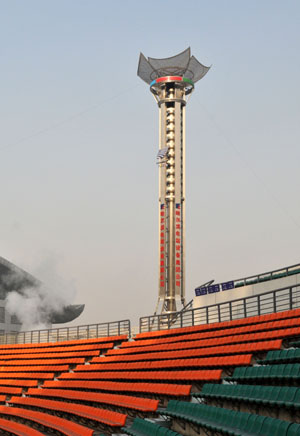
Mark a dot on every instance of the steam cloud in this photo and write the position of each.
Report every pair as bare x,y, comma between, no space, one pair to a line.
33,303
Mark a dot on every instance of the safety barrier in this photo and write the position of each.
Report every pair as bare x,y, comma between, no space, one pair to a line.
107,329
268,302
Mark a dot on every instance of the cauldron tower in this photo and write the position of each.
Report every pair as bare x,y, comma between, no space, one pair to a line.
171,82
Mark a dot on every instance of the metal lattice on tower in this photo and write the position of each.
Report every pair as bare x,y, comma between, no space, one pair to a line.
171,81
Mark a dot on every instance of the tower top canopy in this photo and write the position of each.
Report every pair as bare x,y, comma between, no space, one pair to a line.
182,64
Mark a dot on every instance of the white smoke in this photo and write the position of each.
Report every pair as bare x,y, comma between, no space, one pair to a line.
33,304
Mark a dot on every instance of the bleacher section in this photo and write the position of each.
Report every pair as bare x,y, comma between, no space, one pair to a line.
239,377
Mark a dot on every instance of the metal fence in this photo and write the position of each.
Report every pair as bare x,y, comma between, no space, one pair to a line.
114,328
272,301
270,275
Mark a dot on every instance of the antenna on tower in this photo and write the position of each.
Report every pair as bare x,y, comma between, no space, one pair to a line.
171,81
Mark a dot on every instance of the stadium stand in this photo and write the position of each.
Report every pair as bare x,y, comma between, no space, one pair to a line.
233,377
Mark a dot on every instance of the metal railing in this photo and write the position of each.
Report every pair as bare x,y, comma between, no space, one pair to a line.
268,302
114,328
270,275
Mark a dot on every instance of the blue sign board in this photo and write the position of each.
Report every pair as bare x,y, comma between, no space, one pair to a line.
203,290
228,285
213,288
200,291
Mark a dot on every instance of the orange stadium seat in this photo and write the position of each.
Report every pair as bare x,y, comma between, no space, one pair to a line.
10,391
126,401
151,388
18,429
53,355
236,360
197,352
113,419
57,349
262,327
55,423
252,337
40,368
27,375
33,362
19,382
200,375
221,325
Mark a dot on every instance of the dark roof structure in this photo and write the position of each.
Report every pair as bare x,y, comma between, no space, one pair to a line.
13,278
183,65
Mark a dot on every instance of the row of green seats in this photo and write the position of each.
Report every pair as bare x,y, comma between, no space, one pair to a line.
295,344
142,427
230,422
291,355
290,371
266,278
282,396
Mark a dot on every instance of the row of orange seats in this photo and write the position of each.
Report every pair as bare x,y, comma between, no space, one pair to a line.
112,386
65,354
45,420
251,347
10,391
57,349
236,360
221,325
33,362
18,429
261,327
37,368
19,382
251,337
124,401
103,416
188,375
27,375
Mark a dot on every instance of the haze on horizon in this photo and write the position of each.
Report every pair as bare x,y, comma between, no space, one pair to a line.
79,138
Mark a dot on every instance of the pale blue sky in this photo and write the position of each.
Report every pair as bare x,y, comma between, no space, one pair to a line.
79,137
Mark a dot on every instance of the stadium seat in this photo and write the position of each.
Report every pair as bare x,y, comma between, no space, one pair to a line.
19,383
33,362
52,355
197,352
10,391
267,373
15,428
27,375
107,417
227,421
294,313
147,388
55,423
227,332
200,375
36,369
125,401
141,427
206,362
280,396
282,356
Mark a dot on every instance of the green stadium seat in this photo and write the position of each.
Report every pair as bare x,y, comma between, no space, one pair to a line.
274,396
293,430
267,373
228,421
142,427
